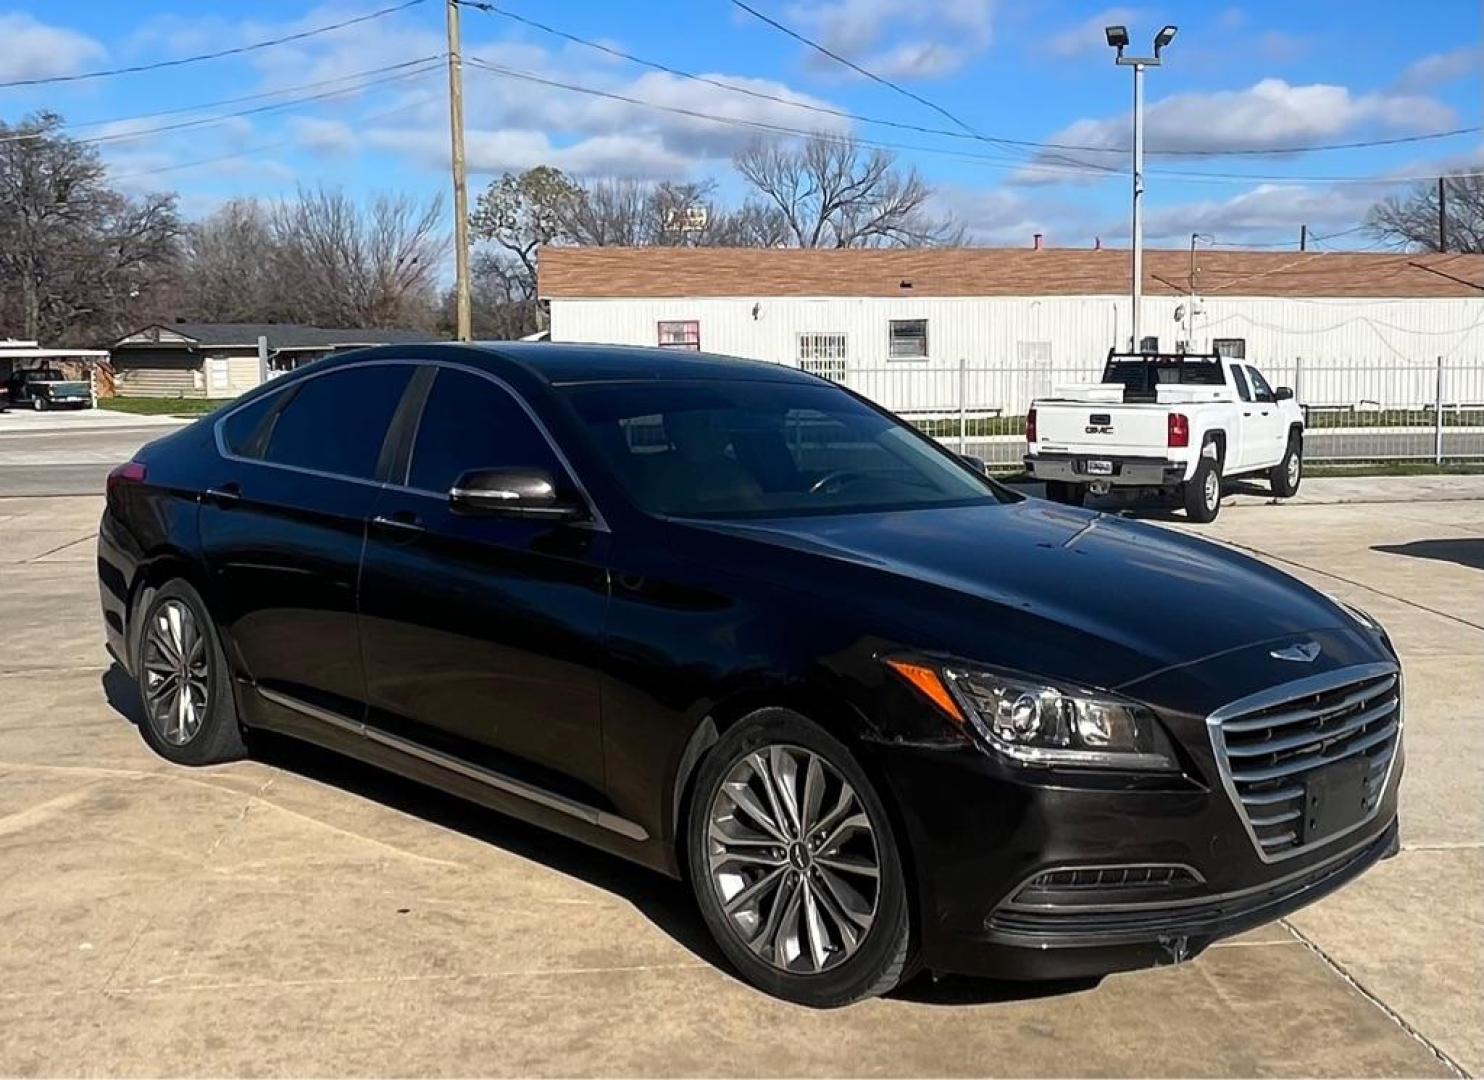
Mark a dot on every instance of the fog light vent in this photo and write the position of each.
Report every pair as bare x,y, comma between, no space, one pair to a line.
1075,883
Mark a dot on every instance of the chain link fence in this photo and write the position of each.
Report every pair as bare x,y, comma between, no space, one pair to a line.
1360,412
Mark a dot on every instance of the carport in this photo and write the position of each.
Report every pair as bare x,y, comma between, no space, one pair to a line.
80,364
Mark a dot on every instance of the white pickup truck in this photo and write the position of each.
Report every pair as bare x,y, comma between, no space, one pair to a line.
1181,423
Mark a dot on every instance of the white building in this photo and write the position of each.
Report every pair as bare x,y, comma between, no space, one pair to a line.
925,330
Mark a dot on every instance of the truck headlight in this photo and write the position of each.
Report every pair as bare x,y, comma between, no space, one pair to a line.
1037,722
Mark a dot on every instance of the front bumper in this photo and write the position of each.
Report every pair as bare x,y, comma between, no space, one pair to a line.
1126,471
1061,873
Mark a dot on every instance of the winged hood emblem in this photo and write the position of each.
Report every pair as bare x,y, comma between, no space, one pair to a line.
1304,652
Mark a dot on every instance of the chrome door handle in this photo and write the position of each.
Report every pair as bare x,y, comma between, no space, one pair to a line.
224,495
410,525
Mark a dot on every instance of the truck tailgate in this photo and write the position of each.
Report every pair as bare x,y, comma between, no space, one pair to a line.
1115,430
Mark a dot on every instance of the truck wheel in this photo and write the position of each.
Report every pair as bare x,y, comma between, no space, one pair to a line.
1060,491
1203,491
1284,477
38,404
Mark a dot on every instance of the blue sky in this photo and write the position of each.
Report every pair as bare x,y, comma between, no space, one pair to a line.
1259,75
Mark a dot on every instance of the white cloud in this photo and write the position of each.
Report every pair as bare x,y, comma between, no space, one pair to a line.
34,50
321,137
1256,214
1268,116
1441,68
1087,36
897,38
494,151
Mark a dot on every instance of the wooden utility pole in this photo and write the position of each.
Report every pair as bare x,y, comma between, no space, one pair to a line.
460,183
1442,214
1303,238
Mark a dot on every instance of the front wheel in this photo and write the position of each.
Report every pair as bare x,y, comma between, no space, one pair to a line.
1203,490
795,866
38,405
1284,477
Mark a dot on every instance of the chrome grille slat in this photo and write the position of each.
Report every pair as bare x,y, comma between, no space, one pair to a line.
1269,744
1263,798
1295,766
1294,716
1311,738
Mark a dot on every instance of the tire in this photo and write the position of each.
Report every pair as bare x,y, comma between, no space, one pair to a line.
1284,478
1068,494
823,970
207,732
38,405
1203,490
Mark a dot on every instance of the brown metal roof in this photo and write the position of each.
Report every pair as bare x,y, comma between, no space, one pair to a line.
744,272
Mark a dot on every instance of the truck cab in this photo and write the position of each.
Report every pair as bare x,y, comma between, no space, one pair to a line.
1178,422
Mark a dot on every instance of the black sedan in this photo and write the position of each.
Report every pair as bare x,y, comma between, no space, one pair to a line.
739,625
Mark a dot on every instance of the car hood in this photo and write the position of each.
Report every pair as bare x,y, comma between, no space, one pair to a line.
1154,597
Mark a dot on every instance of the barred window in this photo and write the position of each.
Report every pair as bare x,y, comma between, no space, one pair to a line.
681,334
823,355
907,339
1233,348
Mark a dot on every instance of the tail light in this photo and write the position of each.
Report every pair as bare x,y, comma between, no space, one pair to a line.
130,472
1030,426
1179,430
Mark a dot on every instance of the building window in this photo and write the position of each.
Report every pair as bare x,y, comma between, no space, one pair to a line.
1233,348
1033,352
1149,344
823,355
907,339
680,335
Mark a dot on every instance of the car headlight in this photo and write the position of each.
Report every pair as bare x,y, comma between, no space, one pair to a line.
1037,722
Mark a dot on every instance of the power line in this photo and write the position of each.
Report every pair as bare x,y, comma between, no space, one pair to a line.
26,136
1033,144
418,67
258,148
999,161
237,51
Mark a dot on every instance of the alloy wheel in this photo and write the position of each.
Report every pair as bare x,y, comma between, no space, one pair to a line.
1213,489
177,673
793,860
1294,465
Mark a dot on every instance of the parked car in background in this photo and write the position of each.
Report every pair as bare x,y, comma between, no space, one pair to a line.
735,623
48,388
1182,423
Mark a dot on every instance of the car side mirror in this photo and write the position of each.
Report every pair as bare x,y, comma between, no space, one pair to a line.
512,492
1283,393
975,463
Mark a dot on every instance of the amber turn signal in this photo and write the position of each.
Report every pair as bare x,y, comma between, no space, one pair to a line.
930,684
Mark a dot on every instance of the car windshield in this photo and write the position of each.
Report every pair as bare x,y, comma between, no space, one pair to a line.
726,448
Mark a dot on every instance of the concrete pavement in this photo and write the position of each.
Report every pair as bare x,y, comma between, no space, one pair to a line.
302,914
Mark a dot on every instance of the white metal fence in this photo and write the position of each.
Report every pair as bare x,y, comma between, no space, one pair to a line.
1364,411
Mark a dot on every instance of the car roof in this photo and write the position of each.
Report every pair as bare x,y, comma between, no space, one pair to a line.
561,364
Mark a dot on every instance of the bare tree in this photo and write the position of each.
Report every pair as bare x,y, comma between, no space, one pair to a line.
1412,220
336,264
227,274
831,194
80,259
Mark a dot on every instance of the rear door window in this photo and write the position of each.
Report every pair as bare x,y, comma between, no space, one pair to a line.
471,423
1241,383
336,423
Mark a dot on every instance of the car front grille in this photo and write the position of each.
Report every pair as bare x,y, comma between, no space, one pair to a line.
1271,749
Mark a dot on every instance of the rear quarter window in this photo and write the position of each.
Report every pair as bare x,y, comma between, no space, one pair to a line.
243,430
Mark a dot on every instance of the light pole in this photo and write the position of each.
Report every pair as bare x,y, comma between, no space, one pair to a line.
1118,39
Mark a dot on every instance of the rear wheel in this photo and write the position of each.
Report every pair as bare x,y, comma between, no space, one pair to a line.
38,404
794,864
190,716
1203,490
1284,477
1062,491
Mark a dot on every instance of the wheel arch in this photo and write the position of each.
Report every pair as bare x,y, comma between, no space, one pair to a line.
831,714
161,566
